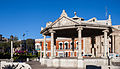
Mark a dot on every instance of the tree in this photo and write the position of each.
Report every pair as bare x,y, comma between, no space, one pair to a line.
30,43
5,46
17,44
14,38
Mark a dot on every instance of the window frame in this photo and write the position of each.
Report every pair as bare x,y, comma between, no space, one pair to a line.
46,46
70,45
76,45
67,45
60,47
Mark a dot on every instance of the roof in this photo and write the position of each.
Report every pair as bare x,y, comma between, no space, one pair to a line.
64,20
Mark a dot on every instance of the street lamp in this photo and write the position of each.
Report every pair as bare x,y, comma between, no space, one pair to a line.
12,49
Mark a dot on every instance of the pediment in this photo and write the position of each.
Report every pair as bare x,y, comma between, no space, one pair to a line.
64,21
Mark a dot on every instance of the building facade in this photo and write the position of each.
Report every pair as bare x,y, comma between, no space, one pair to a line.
64,45
78,38
92,40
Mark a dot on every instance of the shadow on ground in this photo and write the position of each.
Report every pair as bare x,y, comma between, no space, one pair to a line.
93,67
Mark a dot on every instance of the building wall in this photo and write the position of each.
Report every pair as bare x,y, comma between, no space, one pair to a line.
86,45
117,44
68,52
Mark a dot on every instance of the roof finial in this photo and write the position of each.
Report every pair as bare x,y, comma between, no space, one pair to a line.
75,13
109,17
64,14
75,17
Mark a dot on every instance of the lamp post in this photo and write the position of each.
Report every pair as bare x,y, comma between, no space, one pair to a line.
11,37
12,50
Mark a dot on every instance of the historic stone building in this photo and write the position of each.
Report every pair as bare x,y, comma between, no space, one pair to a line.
77,37
64,45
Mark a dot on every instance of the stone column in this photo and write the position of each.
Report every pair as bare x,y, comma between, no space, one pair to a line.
52,43
105,43
54,46
79,41
113,44
44,56
108,46
83,46
40,50
93,52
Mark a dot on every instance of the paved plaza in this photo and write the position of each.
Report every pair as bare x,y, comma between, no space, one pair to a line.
37,65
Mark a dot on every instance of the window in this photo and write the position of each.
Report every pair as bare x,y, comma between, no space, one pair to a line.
102,43
60,45
102,36
40,43
76,44
66,45
38,47
77,54
46,46
71,53
71,44
61,55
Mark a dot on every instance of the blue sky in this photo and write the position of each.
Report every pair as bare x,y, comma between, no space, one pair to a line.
28,16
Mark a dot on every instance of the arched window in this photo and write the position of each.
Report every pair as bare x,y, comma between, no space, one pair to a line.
40,45
46,46
60,45
66,45
71,44
76,44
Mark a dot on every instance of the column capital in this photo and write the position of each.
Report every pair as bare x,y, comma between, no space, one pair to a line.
112,34
105,30
80,28
43,35
51,31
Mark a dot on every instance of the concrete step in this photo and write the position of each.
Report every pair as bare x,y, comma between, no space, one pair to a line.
37,65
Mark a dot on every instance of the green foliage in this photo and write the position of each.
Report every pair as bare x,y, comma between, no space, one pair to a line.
38,54
20,57
4,55
16,44
14,38
5,46
30,43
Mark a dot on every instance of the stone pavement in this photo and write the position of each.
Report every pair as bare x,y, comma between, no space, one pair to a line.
37,65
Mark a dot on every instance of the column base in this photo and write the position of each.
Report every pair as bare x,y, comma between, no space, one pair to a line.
104,57
80,57
50,63
44,56
52,57
43,61
80,63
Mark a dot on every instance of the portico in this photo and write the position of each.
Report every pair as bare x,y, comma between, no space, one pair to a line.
75,27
